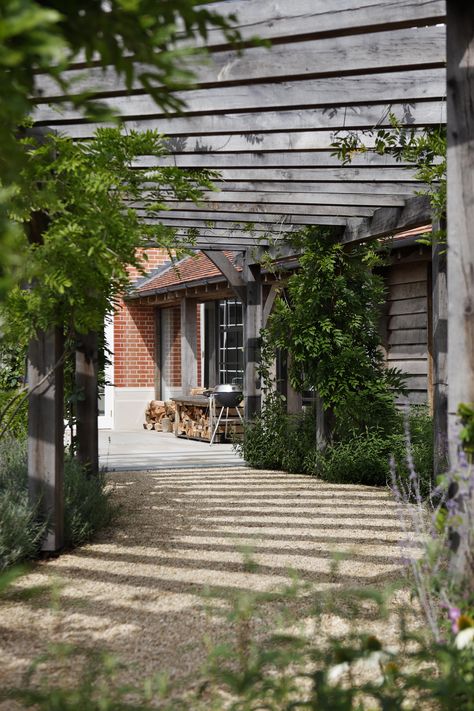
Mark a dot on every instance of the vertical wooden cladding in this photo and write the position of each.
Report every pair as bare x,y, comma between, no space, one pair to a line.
407,326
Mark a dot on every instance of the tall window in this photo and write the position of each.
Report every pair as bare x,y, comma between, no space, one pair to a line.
231,342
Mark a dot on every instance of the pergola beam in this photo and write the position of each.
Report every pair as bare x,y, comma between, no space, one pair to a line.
46,433
317,18
460,215
270,208
393,49
357,116
240,220
306,198
270,159
415,213
327,92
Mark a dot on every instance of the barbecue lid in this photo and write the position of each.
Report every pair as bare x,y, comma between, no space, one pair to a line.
228,388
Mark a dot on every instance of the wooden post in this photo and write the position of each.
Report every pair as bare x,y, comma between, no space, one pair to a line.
211,364
252,326
46,433
460,97
188,345
158,347
460,215
87,404
439,352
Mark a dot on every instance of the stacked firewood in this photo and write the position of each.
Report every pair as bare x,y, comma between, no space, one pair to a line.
156,411
194,422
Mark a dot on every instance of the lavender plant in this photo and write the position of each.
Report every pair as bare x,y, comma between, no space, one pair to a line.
434,529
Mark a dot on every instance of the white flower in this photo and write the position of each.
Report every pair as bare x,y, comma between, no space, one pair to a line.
464,638
337,671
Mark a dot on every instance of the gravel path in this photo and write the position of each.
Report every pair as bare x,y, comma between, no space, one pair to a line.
138,590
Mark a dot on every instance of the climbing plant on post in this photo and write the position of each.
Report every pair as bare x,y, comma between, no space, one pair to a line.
328,323
148,44
93,199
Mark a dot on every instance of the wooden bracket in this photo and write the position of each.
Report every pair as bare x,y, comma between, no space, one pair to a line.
268,305
234,277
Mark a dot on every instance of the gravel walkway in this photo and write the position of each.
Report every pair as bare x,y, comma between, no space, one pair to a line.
138,590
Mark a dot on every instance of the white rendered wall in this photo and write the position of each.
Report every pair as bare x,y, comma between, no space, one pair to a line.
129,407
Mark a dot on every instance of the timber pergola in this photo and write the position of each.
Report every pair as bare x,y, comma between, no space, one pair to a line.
267,118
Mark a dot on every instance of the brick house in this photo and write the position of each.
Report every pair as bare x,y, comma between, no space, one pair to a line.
190,305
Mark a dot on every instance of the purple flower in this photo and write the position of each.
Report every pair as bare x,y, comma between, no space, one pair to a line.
454,613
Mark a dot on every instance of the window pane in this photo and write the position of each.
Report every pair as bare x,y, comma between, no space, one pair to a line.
231,355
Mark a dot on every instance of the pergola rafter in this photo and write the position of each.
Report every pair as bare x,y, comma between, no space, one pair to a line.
267,118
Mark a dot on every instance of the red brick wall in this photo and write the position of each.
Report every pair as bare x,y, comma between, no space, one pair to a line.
134,334
135,340
134,346
152,258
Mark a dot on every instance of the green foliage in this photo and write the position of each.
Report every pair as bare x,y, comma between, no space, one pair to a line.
87,504
98,688
365,459
328,323
424,150
276,440
283,667
39,40
264,439
466,413
88,507
78,268
350,671
13,414
20,530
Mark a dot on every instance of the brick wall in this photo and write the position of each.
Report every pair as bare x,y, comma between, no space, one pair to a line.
135,339
134,334
134,346
150,259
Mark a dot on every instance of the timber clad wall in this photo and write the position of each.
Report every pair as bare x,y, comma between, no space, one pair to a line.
407,326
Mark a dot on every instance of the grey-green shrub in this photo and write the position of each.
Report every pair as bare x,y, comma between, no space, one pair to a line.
20,528
87,504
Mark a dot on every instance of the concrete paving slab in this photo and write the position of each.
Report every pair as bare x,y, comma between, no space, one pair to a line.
153,451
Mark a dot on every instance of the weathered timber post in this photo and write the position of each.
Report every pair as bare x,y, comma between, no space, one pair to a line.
46,433
188,345
439,352
460,216
252,326
87,401
460,97
46,416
